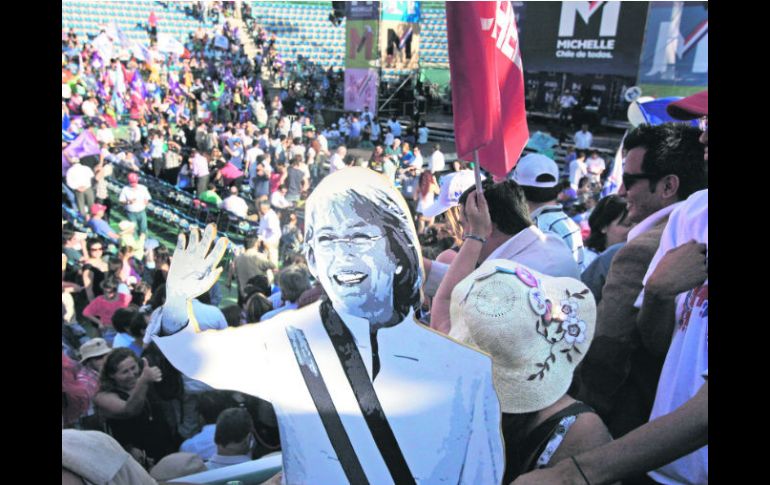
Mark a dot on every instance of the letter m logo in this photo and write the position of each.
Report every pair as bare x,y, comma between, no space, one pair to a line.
570,10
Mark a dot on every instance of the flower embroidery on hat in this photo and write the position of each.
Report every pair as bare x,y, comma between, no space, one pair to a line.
559,327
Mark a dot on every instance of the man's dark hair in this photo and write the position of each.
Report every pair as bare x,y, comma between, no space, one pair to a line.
232,315
507,205
541,194
66,235
293,281
233,426
671,149
250,242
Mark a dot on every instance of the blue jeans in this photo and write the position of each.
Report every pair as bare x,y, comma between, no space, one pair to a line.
140,219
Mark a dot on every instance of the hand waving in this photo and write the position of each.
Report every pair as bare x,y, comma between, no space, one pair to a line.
193,269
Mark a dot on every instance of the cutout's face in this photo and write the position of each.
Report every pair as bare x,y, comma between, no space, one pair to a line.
352,260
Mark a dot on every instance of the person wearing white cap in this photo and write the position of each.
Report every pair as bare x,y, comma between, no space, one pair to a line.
493,309
538,175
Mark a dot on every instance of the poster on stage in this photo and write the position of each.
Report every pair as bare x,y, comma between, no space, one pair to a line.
582,37
401,11
362,10
399,45
676,47
361,48
362,391
361,89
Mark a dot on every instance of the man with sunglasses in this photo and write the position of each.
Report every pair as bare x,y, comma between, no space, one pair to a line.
663,166
678,425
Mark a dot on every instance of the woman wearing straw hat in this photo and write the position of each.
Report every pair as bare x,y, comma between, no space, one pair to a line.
537,329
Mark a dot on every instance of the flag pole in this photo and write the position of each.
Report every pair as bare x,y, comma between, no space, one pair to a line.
477,170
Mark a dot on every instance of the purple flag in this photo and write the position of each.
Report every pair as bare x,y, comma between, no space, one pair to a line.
229,78
137,84
258,89
83,146
173,85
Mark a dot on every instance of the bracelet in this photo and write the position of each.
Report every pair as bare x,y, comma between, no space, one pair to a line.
474,237
574,460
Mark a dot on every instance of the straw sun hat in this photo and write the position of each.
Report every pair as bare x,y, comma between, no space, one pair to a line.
535,327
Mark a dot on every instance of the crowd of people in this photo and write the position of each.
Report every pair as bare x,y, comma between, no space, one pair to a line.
205,123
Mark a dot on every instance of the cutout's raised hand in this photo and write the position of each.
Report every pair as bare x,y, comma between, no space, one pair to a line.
194,269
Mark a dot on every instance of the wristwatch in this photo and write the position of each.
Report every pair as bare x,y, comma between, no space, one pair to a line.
475,237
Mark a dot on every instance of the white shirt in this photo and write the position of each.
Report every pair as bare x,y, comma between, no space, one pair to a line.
583,139
79,175
545,253
686,365
252,154
443,409
278,200
105,136
236,205
88,108
577,170
437,161
595,166
140,196
323,142
270,228
335,163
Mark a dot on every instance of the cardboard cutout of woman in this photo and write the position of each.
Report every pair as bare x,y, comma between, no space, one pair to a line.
362,391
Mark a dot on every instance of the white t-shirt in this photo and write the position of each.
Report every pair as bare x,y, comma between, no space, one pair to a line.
336,163
577,170
140,196
437,161
236,205
686,367
595,166
78,176
270,228
583,139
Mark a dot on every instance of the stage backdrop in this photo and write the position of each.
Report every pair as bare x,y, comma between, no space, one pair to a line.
361,48
361,87
582,37
676,49
399,44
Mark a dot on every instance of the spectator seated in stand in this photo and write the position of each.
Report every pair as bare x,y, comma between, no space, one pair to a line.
234,437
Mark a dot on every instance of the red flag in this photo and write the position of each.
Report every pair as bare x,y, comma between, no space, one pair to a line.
487,83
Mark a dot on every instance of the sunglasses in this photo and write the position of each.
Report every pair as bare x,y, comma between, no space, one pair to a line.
629,179
97,249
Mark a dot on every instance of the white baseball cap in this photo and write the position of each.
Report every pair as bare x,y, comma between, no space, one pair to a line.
536,170
452,187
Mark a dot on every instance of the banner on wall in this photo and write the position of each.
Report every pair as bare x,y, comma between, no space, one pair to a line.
399,45
583,37
675,50
401,11
361,49
361,87
362,10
